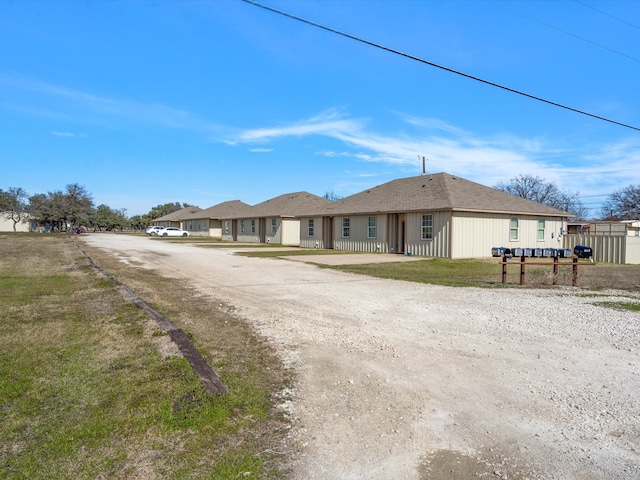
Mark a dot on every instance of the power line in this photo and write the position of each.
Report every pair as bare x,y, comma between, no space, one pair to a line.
564,31
608,14
591,154
442,67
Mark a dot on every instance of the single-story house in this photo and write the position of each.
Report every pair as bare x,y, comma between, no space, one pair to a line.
274,220
435,215
217,221
174,219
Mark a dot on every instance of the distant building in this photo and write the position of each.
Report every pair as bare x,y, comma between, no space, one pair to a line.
25,225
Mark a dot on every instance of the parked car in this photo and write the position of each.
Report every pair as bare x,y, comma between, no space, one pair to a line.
78,230
152,230
171,232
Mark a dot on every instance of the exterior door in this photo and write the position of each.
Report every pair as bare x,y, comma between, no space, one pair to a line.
327,232
262,229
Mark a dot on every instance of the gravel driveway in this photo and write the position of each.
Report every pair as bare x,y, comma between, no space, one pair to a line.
403,380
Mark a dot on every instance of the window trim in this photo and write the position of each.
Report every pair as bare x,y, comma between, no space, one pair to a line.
310,227
542,230
274,226
241,226
346,227
426,228
373,226
514,229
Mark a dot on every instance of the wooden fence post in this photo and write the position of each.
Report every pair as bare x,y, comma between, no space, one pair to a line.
504,269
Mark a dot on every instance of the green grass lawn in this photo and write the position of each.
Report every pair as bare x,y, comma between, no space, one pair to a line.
86,393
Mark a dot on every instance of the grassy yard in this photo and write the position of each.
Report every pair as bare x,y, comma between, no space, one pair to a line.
86,391
488,273
483,272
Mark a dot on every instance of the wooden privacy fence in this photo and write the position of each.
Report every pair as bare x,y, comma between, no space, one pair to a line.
556,265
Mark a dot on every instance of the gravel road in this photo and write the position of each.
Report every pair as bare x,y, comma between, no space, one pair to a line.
402,380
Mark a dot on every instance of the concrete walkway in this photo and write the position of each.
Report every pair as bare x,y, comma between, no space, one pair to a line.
353,259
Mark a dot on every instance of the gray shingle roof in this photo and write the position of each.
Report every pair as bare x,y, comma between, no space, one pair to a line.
179,214
290,205
439,191
229,209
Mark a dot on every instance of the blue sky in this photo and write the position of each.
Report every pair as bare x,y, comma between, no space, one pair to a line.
149,102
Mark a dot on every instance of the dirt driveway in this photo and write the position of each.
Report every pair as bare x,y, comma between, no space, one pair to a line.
401,380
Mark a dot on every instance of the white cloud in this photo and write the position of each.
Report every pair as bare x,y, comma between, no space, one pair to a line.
74,104
486,160
69,134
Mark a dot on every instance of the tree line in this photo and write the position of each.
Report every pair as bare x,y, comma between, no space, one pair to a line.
60,210
621,205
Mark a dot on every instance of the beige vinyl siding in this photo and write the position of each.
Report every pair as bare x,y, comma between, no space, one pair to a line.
438,246
247,235
215,228
475,234
273,237
197,227
227,229
358,240
317,239
6,224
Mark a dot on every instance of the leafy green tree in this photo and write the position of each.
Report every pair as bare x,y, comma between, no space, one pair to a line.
14,205
137,222
57,209
162,210
77,204
546,193
107,218
622,205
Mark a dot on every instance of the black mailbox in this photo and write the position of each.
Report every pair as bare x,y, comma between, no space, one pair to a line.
582,251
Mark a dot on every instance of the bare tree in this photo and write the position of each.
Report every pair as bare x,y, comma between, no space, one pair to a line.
332,196
541,191
623,204
14,204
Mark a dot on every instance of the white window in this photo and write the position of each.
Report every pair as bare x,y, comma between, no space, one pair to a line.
513,229
427,227
541,229
310,228
274,226
253,226
345,227
226,227
371,227
241,226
